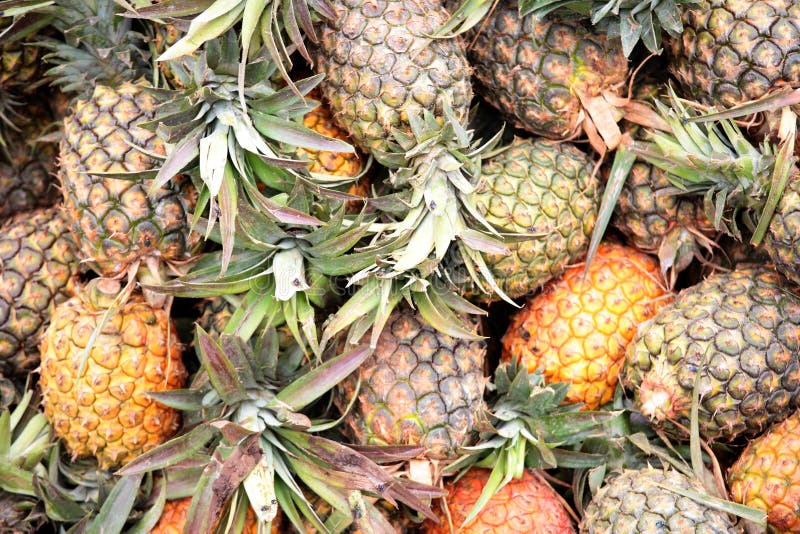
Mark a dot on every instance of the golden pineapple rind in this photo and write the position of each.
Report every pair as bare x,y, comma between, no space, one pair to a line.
106,412
114,219
742,329
419,387
577,329
38,267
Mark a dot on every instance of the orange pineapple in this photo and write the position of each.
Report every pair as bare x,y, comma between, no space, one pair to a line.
767,475
320,119
526,505
173,518
106,411
577,329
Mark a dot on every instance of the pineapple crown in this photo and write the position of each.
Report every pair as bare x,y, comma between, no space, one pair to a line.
99,46
257,440
714,159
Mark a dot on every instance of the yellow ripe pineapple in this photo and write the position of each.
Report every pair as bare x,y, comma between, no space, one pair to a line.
106,411
767,475
173,518
577,329
320,119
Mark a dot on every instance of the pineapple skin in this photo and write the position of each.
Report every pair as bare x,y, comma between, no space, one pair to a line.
634,502
419,387
732,51
374,76
106,412
176,511
782,240
20,64
532,70
526,505
321,120
115,220
577,329
38,270
742,331
543,189
767,475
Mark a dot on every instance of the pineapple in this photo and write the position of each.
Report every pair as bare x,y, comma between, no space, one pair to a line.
577,329
173,518
733,51
553,76
643,501
38,270
767,475
20,65
321,120
543,189
419,387
740,331
106,411
527,505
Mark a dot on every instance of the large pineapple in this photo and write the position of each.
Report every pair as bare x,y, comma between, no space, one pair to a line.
38,269
173,519
106,411
543,189
767,475
732,51
577,329
741,332
553,76
526,505
643,501
419,387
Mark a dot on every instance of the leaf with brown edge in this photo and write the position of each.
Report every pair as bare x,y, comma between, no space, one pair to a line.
231,432
381,454
221,372
170,453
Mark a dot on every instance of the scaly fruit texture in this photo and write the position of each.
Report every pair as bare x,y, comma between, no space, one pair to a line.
106,411
20,64
741,332
38,269
419,387
546,74
321,120
525,505
376,75
117,223
173,519
577,329
545,190
767,475
642,501
733,51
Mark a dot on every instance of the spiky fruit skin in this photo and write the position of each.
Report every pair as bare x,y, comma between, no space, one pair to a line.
525,505
767,475
534,70
215,313
782,240
732,51
26,168
20,64
38,270
115,220
741,331
636,501
320,119
419,387
106,412
176,511
577,328
545,190
380,65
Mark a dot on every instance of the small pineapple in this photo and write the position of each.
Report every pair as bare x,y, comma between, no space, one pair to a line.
419,387
106,411
733,51
642,501
526,505
173,519
543,189
38,270
767,475
577,329
321,120
20,65
741,332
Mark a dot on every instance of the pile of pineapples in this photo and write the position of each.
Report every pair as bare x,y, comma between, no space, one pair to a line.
399,266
